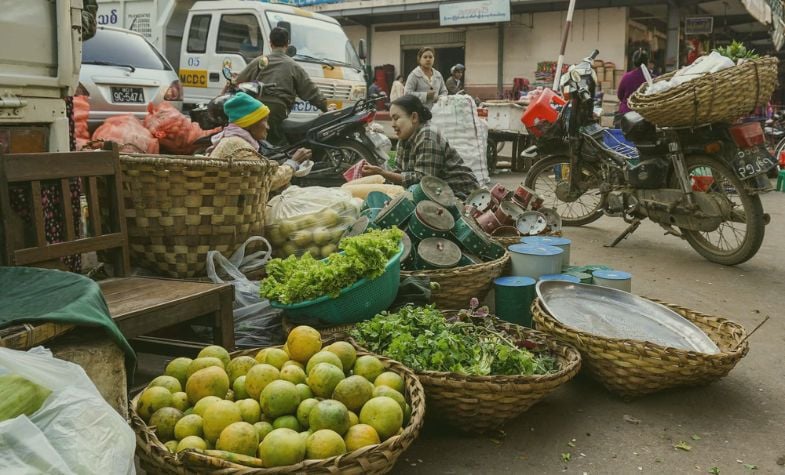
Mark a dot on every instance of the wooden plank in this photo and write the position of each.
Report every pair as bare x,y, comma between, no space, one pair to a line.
94,207
122,261
7,240
55,251
65,189
149,320
223,332
164,346
38,216
54,166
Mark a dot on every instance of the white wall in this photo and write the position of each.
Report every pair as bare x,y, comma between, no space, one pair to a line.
529,39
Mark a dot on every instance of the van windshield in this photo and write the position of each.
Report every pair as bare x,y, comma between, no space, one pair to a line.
317,38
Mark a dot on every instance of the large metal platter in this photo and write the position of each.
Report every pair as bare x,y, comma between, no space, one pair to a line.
613,313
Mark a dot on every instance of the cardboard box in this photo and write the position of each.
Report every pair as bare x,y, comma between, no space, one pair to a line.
606,85
617,78
609,73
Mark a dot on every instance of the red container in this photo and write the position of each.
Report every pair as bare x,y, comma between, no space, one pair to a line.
542,111
782,159
523,196
499,192
748,135
488,221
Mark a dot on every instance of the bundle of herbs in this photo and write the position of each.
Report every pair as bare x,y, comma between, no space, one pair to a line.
297,279
470,344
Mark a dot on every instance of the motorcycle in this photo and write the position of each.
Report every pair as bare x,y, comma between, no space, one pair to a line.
701,184
774,129
338,139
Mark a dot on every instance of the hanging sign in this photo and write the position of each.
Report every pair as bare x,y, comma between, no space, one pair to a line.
698,25
467,13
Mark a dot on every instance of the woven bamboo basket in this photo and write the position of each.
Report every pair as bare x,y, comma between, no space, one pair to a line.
632,368
178,208
326,332
457,286
723,96
374,459
480,404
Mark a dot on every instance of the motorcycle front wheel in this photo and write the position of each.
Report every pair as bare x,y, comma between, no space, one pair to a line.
733,242
545,176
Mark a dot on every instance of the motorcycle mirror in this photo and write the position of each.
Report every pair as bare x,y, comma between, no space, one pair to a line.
251,88
291,50
227,72
361,49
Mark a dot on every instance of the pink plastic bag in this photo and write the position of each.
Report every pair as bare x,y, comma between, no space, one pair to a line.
356,171
175,132
129,133
81,113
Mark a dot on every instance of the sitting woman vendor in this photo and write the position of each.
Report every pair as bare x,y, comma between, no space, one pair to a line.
422,151
240,140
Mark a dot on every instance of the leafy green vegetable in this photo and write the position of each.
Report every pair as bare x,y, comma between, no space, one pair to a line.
421,338
296,279
736,51
683,446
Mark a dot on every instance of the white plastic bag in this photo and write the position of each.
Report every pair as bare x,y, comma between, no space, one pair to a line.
256,323
456,119
75,422
311,219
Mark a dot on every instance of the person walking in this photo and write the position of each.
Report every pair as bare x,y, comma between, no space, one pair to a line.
398,88
290,80
455,82
426,83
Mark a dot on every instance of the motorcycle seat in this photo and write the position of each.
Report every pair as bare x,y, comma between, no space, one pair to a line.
298,127
635,128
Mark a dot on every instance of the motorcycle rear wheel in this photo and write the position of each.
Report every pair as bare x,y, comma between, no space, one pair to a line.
732,243
542,178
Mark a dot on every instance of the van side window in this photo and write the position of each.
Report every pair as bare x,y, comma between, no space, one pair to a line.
240,34
197,33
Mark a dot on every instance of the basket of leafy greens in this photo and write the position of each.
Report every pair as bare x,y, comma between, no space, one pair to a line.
478,371
349,286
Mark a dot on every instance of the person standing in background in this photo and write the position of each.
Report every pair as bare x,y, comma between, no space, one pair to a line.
631,81
455,82
397,88
426,83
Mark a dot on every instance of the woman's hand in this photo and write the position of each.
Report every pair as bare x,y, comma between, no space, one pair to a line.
372,170
301,155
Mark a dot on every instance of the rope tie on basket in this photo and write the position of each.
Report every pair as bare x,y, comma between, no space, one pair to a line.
713,93
694,105
757,85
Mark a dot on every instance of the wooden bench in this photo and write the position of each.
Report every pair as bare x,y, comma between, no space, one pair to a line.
138,305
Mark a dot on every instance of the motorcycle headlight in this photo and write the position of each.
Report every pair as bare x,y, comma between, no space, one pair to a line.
575,75
358,92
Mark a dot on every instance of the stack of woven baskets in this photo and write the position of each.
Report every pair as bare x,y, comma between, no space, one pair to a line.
178,208
723,96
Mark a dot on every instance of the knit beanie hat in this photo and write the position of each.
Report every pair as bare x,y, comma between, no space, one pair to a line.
243,110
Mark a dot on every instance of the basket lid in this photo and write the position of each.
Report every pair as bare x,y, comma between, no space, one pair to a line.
434,216
546,240
612,274
514,281
479,198
376,199
439,252
535,250
407,246
437,190
561,277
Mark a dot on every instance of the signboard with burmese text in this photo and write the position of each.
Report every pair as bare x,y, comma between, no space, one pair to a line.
468,13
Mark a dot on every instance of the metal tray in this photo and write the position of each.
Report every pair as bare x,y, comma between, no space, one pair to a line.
613,313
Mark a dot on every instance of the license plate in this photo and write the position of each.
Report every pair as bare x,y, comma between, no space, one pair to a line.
752,162
127,95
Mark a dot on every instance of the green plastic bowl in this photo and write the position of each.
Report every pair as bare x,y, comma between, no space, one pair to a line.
358,302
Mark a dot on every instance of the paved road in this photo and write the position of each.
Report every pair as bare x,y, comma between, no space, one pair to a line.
738,420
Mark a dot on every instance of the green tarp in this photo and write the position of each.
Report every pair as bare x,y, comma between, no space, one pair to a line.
30,295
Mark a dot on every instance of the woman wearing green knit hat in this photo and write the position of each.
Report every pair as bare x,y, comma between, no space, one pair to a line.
247,127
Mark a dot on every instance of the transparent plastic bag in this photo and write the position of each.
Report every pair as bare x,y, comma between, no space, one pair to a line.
256,323
74,422
309,220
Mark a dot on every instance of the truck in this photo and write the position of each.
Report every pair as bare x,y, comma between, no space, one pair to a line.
200,38
38,73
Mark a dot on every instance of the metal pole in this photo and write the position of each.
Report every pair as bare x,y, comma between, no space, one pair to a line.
565,36
500,63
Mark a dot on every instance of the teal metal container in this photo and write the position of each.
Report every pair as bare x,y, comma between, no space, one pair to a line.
583,277
395,212
561,277
513,298
433,189
375,199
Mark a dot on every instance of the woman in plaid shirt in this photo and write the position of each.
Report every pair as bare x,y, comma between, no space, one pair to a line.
422,151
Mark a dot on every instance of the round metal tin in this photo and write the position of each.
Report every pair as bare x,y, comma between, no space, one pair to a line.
500,193
407,247
461,228
561,277
492,252
434,189
480,199
395,212
552,218
438,253
375,199
434,216
469,260
531,223
473,239
488,221
371,214
524,196
455,208
359,227
508,212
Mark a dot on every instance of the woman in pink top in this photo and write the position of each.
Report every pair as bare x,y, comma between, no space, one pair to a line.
632,80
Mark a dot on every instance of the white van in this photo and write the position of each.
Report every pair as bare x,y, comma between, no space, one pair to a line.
230,33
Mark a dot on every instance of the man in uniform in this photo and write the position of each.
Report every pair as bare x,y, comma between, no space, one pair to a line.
290,81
